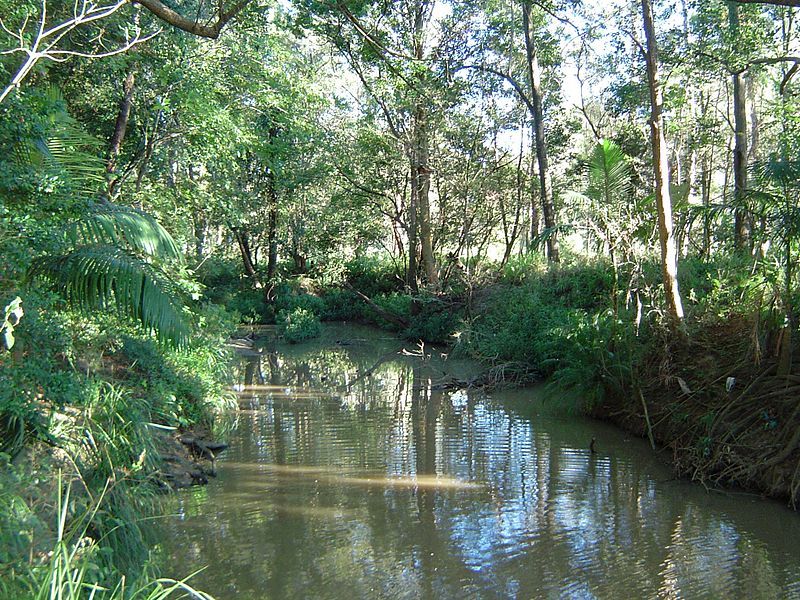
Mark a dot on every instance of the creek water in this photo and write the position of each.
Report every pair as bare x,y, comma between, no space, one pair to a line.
352,475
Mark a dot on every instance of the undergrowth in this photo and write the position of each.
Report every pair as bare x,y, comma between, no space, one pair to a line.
90,398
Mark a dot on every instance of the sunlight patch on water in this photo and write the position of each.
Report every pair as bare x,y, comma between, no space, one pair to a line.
395,489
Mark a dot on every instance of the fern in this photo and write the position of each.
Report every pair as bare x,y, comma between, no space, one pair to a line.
65,151
99,276
110,255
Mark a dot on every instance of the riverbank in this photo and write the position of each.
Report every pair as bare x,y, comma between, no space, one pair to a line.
708,396
113,424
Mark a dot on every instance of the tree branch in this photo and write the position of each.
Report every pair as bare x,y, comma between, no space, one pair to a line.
513,82
791,3
165,13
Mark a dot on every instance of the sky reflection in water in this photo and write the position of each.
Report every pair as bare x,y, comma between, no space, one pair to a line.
343,482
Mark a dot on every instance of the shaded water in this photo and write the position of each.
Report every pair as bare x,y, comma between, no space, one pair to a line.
350,476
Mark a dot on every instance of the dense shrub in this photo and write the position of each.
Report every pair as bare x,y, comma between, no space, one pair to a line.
298,325
395,303
289,296
437,321
374,276
341,305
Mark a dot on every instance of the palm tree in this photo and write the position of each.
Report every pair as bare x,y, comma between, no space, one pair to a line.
116,256
607,204
778,205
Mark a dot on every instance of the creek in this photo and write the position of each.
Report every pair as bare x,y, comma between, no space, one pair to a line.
351,474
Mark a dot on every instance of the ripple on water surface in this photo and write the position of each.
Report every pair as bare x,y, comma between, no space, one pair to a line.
351,476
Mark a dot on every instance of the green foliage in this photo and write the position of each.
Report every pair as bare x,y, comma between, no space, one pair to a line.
395,303
108,224
34,372
11,316
373,276
529,324
341,305
108,430
75,565
520,267
96,276
223,284
298,325
435,323
516,325
105,253
289,297
598,358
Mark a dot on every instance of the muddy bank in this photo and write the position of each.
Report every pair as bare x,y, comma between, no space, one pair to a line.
720,412
187,458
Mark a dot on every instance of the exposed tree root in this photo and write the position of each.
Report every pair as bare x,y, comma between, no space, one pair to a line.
747,435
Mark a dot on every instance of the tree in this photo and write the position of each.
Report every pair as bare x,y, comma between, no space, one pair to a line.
534,73
46,40
397,68
196,26
669,255
511,47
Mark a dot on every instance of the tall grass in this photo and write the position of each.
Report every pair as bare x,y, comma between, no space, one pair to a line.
73,568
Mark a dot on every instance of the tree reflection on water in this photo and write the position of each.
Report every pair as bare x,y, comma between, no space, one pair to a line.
352,476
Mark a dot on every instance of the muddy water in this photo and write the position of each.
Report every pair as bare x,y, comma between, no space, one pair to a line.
350,476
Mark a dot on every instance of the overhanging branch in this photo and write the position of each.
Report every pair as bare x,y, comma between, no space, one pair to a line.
165,13
791,3
508,78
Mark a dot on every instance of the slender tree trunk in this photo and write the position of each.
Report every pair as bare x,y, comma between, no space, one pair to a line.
413,235
741,236
272,227
420,155
706,196
534,203
669,258
200,231
422,173
247,256
545,186
120,127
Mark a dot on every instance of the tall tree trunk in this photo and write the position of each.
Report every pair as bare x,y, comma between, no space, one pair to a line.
420,154
534,191
741,237
413,233
120,127
545,186
422,173
272,227
705,187
669,257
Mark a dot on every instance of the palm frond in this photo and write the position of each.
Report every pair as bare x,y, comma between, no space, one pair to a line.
538,242
778,172
123,227
101,275
609,172
65,150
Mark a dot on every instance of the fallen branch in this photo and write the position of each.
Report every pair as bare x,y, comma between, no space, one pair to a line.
388,315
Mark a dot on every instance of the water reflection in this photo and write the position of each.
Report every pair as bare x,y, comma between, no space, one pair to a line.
351,476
